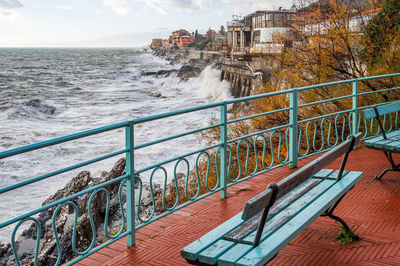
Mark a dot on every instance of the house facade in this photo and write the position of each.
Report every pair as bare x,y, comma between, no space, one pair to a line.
255,32
180,38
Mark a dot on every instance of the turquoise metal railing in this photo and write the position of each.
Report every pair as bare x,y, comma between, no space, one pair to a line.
213,168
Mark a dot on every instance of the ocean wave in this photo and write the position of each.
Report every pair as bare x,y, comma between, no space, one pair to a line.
209,85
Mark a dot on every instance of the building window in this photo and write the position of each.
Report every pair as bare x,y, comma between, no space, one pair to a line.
256,36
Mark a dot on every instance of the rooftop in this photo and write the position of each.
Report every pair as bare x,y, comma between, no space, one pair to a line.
372,210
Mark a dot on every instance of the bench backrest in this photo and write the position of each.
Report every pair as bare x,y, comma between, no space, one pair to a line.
382,110
375,112
263,200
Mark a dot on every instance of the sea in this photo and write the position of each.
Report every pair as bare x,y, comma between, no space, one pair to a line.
47,93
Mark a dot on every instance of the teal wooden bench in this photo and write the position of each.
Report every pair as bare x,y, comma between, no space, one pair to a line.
388,142
273,218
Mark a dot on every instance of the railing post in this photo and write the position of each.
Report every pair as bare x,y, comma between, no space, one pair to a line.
130,184
355,108
293,142
223,155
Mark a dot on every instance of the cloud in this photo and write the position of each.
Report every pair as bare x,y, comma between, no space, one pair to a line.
121,7
161,6
99,11
8,9
10,4
63,7
251,5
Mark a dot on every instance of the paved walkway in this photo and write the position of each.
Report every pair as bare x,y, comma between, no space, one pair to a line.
372,209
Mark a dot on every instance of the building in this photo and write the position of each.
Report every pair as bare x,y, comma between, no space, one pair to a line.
255,32
180,39
156,43
184,41
211,34
165,43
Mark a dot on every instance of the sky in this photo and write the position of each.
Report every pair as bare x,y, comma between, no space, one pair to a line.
115,23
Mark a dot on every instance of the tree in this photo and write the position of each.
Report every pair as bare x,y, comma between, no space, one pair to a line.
324,48
204,43
222,30
381,40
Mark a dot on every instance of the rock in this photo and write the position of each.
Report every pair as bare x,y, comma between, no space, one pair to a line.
77,183
158,95
6,256
64,221
165,73
188,71
48,253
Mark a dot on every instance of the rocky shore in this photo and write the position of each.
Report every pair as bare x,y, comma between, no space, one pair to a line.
64,221
193,63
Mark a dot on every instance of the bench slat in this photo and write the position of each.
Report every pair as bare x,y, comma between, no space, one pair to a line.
389,135
270,247
381,143
191,252
329,174
292,210
391,145
397,137
213,252
382,110
251,224
234,254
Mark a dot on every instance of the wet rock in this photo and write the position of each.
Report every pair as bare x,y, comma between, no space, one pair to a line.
165,73
158,95
41,107
188,71
48,251
6,256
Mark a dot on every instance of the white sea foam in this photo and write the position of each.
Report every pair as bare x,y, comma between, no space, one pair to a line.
208,85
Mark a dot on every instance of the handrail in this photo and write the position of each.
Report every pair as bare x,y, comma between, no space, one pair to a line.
216,166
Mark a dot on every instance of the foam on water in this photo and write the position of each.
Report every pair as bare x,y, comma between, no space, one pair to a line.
208,85
49,93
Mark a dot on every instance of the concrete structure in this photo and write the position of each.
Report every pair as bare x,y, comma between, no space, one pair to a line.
257,30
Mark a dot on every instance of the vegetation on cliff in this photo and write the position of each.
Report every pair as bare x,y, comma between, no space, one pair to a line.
338,43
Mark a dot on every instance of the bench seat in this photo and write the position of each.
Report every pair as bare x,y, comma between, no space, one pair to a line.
392,143
232,242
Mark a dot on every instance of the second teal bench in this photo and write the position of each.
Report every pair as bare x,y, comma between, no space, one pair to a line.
388,142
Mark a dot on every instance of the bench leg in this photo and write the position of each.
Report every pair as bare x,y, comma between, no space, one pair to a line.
196,263
385,171
340,220
395,168
329,213
348,234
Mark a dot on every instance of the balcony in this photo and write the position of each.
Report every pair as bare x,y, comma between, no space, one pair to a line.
220,176
371,209
236,23
267,48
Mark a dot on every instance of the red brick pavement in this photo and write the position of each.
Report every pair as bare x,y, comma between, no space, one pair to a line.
372,209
